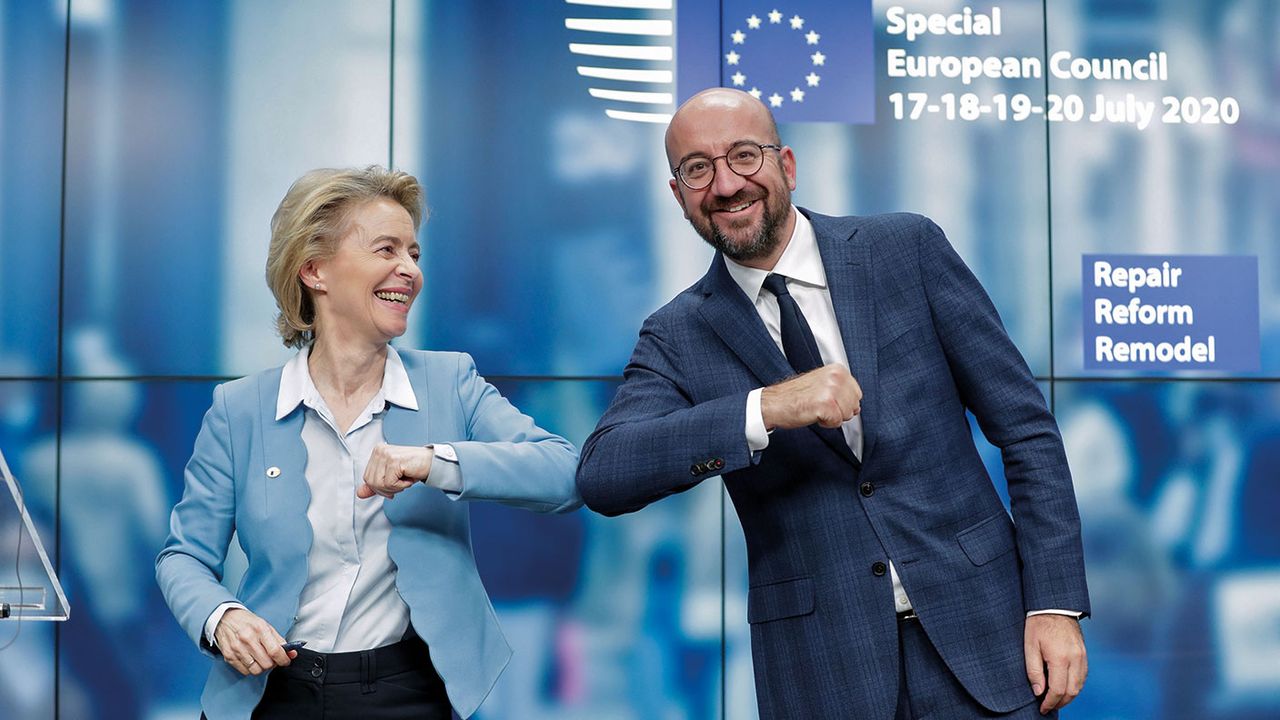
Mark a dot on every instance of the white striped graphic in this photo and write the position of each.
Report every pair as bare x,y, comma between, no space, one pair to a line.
621,27
638,116
627,52
658,98
653,51
642,76
637,4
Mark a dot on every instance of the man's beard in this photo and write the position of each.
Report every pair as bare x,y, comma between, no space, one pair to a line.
760,245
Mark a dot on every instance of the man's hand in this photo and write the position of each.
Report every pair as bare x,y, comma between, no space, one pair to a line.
828,396
249,644
393,468
1054,647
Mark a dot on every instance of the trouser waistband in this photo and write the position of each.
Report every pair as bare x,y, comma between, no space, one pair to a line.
362,666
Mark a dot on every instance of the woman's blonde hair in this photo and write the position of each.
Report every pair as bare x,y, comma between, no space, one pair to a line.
307,226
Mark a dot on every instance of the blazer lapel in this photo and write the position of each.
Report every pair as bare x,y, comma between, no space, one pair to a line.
419,505
734,318
848,266
282,475
402,426
284,457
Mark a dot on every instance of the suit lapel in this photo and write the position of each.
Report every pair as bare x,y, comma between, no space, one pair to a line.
283,451
734,318
284,481
402,426
419,504
847,262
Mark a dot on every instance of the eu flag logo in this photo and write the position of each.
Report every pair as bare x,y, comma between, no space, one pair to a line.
807,61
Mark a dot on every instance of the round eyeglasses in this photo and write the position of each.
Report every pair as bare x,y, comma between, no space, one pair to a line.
745,159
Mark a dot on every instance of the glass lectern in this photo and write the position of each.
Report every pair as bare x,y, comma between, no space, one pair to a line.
29,589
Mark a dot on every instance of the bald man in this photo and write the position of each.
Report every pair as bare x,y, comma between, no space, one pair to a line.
823,367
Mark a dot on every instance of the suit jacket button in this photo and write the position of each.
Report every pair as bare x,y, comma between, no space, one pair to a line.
693,469
717,463
878,568
867,489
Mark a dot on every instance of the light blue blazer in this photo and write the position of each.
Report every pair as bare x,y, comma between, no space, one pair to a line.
503,455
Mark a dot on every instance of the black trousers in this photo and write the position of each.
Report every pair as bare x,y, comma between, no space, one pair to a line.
388,683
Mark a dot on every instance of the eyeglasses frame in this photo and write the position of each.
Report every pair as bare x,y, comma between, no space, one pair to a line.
763,146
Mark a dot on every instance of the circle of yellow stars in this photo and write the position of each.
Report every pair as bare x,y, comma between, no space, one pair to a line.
775,17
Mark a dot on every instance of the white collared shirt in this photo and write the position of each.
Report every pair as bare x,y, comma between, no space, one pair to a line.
801,265
349,601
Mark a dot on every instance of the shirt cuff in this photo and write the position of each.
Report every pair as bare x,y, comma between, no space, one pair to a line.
1069,613
216,617
446,473
757,435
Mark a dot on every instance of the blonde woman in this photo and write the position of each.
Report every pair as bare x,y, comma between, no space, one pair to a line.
343,474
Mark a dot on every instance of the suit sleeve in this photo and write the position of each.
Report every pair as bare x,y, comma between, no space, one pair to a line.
654,441
506,457
997,386
189,568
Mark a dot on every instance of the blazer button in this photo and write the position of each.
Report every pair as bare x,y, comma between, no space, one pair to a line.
878,568
693,469
717,463
867,489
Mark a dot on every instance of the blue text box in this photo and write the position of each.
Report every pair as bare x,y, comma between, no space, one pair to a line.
1170,312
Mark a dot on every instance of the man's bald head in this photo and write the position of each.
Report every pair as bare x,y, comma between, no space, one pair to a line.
718,104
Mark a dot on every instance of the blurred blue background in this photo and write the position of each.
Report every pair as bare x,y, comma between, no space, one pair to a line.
145,144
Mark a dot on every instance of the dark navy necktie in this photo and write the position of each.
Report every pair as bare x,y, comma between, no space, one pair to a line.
797,339
802,351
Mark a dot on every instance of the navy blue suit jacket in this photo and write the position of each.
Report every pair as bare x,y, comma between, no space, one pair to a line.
925,343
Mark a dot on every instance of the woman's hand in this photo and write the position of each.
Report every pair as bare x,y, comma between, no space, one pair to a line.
393,468
249,644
